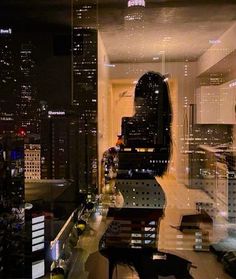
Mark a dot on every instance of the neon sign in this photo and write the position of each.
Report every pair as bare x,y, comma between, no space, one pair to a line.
56,112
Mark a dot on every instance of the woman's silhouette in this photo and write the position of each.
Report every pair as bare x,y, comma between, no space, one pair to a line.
144,154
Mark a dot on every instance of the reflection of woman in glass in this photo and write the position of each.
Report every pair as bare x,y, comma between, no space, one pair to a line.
132,236
150,126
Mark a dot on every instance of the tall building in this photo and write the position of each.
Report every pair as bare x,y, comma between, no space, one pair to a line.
12,246
84,92
55,145
134,22
32,154
27,108
7,80
135,11
60,147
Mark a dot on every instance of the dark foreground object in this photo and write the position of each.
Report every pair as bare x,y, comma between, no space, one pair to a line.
148,263
229,263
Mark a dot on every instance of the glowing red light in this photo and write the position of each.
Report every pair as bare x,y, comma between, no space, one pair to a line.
21,132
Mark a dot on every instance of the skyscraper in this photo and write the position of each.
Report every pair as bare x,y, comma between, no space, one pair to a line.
134,20
27,109
135,11
55,145
60,147
84,93
7,80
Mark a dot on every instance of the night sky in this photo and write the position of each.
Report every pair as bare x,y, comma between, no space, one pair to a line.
47,25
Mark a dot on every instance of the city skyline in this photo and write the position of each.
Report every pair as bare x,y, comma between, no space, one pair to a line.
158,75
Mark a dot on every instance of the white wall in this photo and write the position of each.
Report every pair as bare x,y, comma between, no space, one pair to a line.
218,52
122,105
216,104
103,101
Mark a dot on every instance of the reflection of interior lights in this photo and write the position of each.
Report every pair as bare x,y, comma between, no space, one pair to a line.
134,16
132,3
223,213
232,84
110,65
166,39
214,42
156,58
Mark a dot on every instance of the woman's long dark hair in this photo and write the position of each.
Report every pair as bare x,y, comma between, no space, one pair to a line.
152,102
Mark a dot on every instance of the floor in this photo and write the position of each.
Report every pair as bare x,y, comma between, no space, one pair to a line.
180,200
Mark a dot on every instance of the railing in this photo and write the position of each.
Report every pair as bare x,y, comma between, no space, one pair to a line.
62,242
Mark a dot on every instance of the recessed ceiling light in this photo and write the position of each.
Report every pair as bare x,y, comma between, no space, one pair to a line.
214,41
110,65
166,39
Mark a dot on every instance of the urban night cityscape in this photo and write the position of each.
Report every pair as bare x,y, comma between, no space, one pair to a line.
118,139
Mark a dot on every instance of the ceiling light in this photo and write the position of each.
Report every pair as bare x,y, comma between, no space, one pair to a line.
110,65
214,42
133,3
